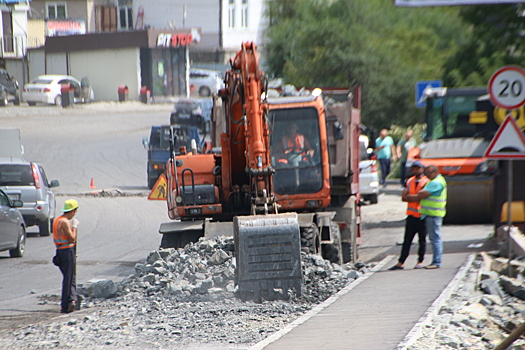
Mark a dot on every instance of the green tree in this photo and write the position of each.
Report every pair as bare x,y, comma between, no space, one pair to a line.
384,49
495,38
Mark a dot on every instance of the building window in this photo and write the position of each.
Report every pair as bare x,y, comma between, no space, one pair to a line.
231,13
125,17
56,11
244,14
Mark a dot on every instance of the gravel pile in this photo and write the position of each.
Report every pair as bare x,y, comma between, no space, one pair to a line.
181,299
477,318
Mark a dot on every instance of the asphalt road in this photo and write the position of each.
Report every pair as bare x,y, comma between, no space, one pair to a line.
102,141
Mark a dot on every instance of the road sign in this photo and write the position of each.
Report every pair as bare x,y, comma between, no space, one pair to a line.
507,87
158,192
508,143
420,88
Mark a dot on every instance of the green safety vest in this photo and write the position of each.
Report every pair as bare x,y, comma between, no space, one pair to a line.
435,205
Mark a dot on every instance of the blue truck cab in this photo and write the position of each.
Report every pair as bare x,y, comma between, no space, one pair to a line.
158,147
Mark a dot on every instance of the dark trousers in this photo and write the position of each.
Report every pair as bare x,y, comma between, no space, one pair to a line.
384,164
412,226
403,173
67,263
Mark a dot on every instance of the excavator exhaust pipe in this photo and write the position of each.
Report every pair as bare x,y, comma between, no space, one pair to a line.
268,254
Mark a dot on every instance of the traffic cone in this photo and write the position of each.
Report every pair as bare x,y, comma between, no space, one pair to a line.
92,184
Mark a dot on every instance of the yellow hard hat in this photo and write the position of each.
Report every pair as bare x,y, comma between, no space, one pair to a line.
69,205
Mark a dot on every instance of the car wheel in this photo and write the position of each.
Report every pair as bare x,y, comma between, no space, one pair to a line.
4,101
205,91
18,252
58,100
32,104
44,228
373,199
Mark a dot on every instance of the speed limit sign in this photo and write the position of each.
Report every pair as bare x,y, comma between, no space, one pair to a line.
507,87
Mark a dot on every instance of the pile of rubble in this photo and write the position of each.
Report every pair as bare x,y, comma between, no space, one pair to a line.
182,298
486,308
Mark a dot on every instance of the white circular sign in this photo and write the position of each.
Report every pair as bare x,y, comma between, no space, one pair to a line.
507,87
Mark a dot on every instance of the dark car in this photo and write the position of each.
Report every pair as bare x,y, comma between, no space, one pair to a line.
9,89
188,112
12,227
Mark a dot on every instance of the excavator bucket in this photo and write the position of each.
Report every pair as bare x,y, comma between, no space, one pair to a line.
268,252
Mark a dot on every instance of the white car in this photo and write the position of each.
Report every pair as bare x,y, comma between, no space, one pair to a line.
368,176
205,82
48,89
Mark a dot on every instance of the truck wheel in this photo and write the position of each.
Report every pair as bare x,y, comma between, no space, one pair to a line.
373,198
333,252
44,228
151,182
18,252
310,239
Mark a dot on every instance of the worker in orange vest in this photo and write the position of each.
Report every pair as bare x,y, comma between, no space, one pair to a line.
413,223
65,239
294,148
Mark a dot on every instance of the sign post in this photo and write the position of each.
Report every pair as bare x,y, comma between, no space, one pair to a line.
507,90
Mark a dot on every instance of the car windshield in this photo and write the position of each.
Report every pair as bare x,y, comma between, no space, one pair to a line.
42,81
16,175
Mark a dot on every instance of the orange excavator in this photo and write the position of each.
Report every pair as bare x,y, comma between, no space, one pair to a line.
276,180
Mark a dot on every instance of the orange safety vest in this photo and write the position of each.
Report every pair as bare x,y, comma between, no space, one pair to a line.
413,208
59,238
297,146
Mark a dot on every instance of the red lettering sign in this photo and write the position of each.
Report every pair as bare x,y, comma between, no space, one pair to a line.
174,40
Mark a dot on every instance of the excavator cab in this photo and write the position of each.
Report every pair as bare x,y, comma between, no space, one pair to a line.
296,153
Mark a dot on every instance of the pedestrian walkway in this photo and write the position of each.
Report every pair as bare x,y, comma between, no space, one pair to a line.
375,312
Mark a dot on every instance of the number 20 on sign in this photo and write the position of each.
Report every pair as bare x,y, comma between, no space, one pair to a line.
507,87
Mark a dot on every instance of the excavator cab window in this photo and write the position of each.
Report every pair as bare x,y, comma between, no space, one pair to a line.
295,149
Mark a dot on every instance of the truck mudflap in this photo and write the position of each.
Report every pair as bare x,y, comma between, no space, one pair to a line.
470,199
176,234
268,253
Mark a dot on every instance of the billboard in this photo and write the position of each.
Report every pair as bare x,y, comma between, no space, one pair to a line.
421,3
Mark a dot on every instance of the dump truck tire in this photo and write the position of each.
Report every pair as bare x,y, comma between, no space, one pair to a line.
310,239
333,252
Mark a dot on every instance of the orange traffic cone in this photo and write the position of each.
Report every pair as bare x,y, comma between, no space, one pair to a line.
92,184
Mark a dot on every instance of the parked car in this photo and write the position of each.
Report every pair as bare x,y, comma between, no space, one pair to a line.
368,177
205,82
12,227
48,89
27,181
9,89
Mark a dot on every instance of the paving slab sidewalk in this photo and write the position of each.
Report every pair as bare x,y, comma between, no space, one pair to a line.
374,313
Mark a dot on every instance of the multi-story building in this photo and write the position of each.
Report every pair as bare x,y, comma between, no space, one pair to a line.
217,30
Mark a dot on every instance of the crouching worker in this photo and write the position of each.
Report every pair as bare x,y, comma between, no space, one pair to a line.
65,239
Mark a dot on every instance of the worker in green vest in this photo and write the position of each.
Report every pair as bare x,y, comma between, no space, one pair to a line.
433,200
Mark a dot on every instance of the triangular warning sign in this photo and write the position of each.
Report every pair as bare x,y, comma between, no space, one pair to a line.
159,191
508,143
